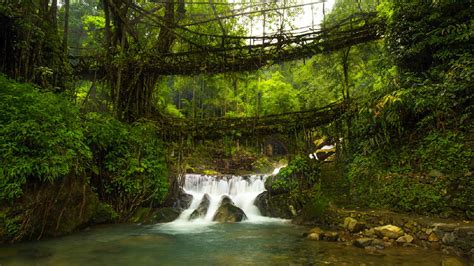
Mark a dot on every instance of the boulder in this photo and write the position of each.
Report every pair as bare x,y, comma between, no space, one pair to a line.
183,201
201,210
317,234
165,215
390,231
370,232
226,200
280,206
352,225
366,242
405,239
433,237
229,213
331,236
314,236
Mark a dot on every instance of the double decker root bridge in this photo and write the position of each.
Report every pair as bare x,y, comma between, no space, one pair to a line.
228,52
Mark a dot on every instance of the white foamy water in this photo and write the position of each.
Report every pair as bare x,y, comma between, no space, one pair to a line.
242,190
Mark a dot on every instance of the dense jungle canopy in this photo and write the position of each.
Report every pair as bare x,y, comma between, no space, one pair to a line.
105,103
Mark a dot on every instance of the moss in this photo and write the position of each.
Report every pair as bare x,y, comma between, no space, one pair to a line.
104,214
210,172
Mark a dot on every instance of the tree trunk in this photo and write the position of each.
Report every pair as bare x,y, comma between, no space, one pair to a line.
66,26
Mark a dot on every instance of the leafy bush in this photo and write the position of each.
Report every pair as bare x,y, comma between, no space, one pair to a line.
300,173
407,193
40,138
427,176
129,165
444,152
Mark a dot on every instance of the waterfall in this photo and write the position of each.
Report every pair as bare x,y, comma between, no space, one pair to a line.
241,189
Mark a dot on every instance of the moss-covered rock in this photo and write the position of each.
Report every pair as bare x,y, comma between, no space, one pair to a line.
281,206
201,210
104,214
229,213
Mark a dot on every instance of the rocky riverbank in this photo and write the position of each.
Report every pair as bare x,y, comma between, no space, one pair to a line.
378,230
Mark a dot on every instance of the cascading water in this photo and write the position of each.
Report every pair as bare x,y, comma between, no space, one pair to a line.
241,190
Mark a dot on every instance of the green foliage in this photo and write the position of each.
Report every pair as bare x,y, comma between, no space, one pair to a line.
423,35
409,194
320,202
128,160
9,225
444,152
299,174
41,138
263,165
278,96
428,176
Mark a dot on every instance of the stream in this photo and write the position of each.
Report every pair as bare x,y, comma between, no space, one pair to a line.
256,241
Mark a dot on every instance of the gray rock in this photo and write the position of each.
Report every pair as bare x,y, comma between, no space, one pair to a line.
280,206
229,213
390,231
448,238
183,200
201,210
165,215
314,236
226,200
352,225
331,236
366,241
405,239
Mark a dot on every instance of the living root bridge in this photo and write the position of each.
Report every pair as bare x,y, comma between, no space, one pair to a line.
251,52
215,128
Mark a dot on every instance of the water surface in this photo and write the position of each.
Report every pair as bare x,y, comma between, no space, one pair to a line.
261,243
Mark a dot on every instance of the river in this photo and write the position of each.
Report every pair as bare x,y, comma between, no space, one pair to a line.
256,241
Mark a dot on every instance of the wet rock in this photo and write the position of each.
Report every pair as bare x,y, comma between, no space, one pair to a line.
226,200
352,225
370,232
331,236
363,242
448,238
405,239
315,230
390,231
280,206
433,237
165,215
366,241
314,236
229,213
317,234
183,200
201,210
